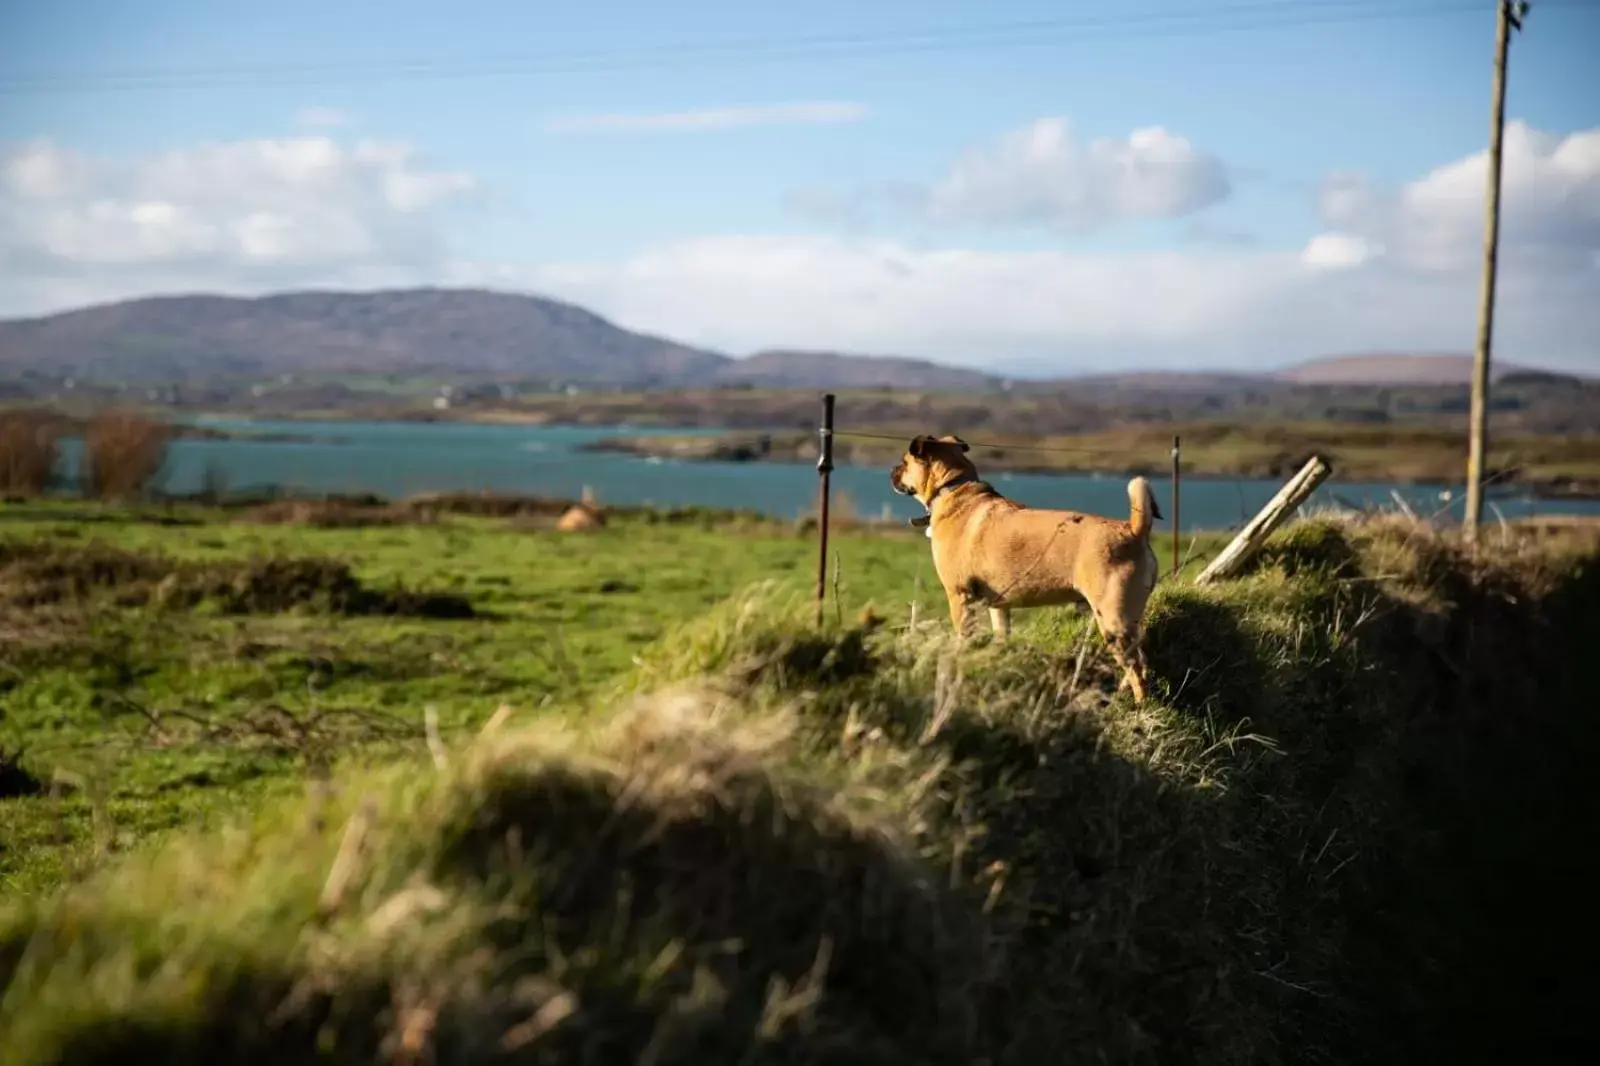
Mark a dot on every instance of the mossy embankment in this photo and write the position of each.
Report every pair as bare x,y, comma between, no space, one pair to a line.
1349,830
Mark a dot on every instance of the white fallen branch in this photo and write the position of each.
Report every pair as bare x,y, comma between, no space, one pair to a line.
1277,511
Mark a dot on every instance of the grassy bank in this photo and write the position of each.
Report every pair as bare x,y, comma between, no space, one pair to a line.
1345,832
171,664
1547,464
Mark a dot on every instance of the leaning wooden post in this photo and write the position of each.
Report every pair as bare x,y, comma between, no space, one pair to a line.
1177,551
1273,515
824,469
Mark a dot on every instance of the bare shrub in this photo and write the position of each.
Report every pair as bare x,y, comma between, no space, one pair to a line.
122,453
30,444
843,514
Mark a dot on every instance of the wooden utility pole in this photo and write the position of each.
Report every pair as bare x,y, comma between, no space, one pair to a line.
1510,17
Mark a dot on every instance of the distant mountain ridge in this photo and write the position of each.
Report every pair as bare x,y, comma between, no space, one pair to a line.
839,370
1380,369
1374,369
415,330
483,332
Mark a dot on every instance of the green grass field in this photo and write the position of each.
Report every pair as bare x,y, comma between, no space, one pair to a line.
156,716
1349,826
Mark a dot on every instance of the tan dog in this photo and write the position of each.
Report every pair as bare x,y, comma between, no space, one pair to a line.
993,551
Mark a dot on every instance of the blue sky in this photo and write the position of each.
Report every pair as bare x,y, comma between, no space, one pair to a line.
1279,95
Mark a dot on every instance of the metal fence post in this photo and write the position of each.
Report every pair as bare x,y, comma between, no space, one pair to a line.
824,470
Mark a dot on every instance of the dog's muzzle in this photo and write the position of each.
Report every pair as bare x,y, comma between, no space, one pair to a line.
894,481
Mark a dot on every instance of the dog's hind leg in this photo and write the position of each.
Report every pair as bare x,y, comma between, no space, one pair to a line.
1132,657
1123,636
1126,651
1000,622
1119,613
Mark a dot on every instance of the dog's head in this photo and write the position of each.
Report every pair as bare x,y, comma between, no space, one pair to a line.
929,462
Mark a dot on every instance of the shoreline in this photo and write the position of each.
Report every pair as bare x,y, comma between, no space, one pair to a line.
742,450
274,505
1404,457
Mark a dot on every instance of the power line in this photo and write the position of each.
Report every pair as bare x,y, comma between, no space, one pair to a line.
1226,18
809,40
1014,33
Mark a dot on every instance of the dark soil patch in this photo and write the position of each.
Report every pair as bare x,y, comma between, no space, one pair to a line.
328,514
15,780
45,572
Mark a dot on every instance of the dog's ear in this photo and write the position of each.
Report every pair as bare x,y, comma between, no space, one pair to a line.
918,448
951,438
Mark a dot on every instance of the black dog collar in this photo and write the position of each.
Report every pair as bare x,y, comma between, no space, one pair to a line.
921,521
953,483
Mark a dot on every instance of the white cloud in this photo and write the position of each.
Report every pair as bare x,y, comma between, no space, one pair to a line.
1043,174
746,291
1337,251
40,171
715,118
1392,272
319,117
1550,207
1057,312
217,216
1387,271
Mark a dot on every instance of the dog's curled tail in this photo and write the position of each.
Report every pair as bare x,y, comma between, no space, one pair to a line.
1142,509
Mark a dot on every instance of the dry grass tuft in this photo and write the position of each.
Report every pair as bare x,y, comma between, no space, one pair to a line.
670,890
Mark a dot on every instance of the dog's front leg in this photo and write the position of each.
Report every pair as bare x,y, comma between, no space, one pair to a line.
958,613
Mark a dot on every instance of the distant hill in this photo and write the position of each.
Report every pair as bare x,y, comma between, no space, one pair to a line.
410,330
1157,385
1175,381
470,332
1390,370
836,370
458,331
